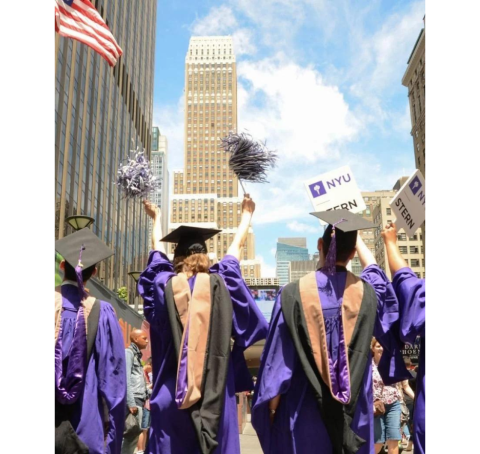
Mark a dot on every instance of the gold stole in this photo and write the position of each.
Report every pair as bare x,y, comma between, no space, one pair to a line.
312,308
194,309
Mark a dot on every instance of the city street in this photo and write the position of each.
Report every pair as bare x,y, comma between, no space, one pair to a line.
249,444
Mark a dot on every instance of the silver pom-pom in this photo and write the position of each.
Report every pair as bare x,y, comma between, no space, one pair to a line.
135,177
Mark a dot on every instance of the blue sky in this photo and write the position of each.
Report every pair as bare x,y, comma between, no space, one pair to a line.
320,81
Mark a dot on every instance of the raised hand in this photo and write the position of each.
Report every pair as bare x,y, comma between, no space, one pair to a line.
248,205
151,209
389,233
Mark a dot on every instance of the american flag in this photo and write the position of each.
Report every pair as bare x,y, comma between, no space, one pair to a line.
78,19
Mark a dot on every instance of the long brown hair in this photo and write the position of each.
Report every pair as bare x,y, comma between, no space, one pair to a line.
195,263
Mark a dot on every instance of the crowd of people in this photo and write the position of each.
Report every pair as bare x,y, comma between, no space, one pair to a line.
332,377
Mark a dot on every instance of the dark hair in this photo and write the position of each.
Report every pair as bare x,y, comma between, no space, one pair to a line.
346,242
72,276
189,247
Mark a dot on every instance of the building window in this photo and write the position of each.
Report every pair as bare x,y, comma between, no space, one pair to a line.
389,211
415,262
403,249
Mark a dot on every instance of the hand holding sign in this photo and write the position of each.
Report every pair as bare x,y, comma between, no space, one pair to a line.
394,257
389,233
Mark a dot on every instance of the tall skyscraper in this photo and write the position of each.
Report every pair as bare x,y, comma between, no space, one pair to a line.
205,192
414,80
159,158
100,114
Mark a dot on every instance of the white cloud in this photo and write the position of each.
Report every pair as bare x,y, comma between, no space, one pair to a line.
222,21
243,42
294,109
301,227
278,21
218,21
371,175
170,120
402,121
277,202
379,59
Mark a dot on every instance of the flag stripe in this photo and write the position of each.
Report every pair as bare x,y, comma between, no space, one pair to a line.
81,21
77,14
67,21
90,13
69,33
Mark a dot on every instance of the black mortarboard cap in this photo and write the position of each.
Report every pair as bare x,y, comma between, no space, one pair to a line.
345,221
190,239
82,250
350,223
95,250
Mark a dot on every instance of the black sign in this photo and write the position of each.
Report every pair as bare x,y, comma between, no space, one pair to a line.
412,351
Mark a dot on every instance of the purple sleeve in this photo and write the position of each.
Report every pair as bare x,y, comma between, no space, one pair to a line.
111,374
152,283
410,291
387,326
275,374
249,325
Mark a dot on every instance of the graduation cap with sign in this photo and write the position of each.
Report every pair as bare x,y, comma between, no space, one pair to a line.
346,222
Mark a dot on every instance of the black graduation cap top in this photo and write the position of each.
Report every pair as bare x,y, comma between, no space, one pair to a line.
95,250
351,221
187,236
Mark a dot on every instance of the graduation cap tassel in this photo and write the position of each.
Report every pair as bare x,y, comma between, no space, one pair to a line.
78,272
249,160
331,259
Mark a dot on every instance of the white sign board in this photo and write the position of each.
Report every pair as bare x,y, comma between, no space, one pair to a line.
409,204
335,190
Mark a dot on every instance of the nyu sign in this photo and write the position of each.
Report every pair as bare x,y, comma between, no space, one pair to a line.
318,188
409,204
335,190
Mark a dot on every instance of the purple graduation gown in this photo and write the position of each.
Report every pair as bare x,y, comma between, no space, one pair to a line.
172,429
105,376
298,427
410,292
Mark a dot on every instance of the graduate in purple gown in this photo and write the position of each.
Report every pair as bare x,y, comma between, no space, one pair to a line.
314,389
410,291
194,310
90,384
